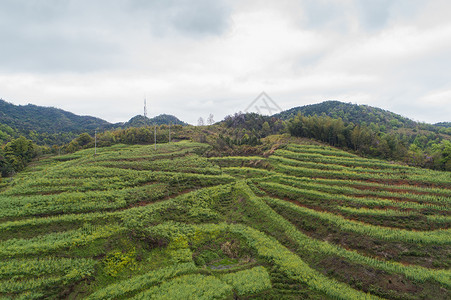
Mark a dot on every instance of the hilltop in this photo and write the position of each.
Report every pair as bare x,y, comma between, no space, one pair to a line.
443,124
349,112
163,119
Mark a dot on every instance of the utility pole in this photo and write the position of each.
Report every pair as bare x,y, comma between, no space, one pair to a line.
95,142
169,132
155,126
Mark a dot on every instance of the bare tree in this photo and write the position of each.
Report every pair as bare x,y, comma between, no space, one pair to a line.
210,120
200,122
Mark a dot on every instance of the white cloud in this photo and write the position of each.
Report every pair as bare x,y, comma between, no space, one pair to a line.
192,58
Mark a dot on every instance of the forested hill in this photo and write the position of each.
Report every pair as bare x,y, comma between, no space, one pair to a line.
139,121
53,126
348,112
443,124
26,118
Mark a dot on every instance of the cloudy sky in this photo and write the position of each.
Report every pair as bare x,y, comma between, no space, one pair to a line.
190,58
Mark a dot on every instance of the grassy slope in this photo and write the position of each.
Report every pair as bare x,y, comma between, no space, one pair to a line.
303,223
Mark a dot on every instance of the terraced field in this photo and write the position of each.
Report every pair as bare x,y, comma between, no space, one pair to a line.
307,222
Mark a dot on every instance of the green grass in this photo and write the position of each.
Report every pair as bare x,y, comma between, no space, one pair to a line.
308,222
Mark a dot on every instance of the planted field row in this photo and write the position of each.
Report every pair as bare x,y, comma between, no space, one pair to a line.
75,202
127,288
334,167
246,172
394,213
319,185
41,185
55,241
319,150
421,180
319,197
365,187
357,209
273,252
310,245
25,268
344,161
20,275
436,237
58,220
185,165
240,161
199,286
145,155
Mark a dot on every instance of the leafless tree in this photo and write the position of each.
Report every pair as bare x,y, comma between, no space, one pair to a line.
210,120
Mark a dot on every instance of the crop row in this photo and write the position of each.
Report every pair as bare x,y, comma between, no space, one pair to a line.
19,268
250,281
310,245
136,284
294,267
247,172
318,185
25,275
74,202
192,286
63,184
55,241
195,202
437,237
134,155
344,161
269,249
392,213
442,180
197,286
176,165
320,197
318,150
334,167
58,219
373,186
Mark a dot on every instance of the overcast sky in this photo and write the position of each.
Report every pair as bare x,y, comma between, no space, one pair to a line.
190,58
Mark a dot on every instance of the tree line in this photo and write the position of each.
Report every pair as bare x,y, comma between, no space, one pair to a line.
16,154
430,150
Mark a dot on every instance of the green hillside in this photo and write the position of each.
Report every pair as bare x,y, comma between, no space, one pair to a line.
349,112
51,126
302,222
25,118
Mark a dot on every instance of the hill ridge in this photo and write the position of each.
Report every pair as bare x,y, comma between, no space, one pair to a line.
348,112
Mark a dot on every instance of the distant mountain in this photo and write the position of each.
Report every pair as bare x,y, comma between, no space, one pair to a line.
50,126
26,118
443,124
139,121
348,112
